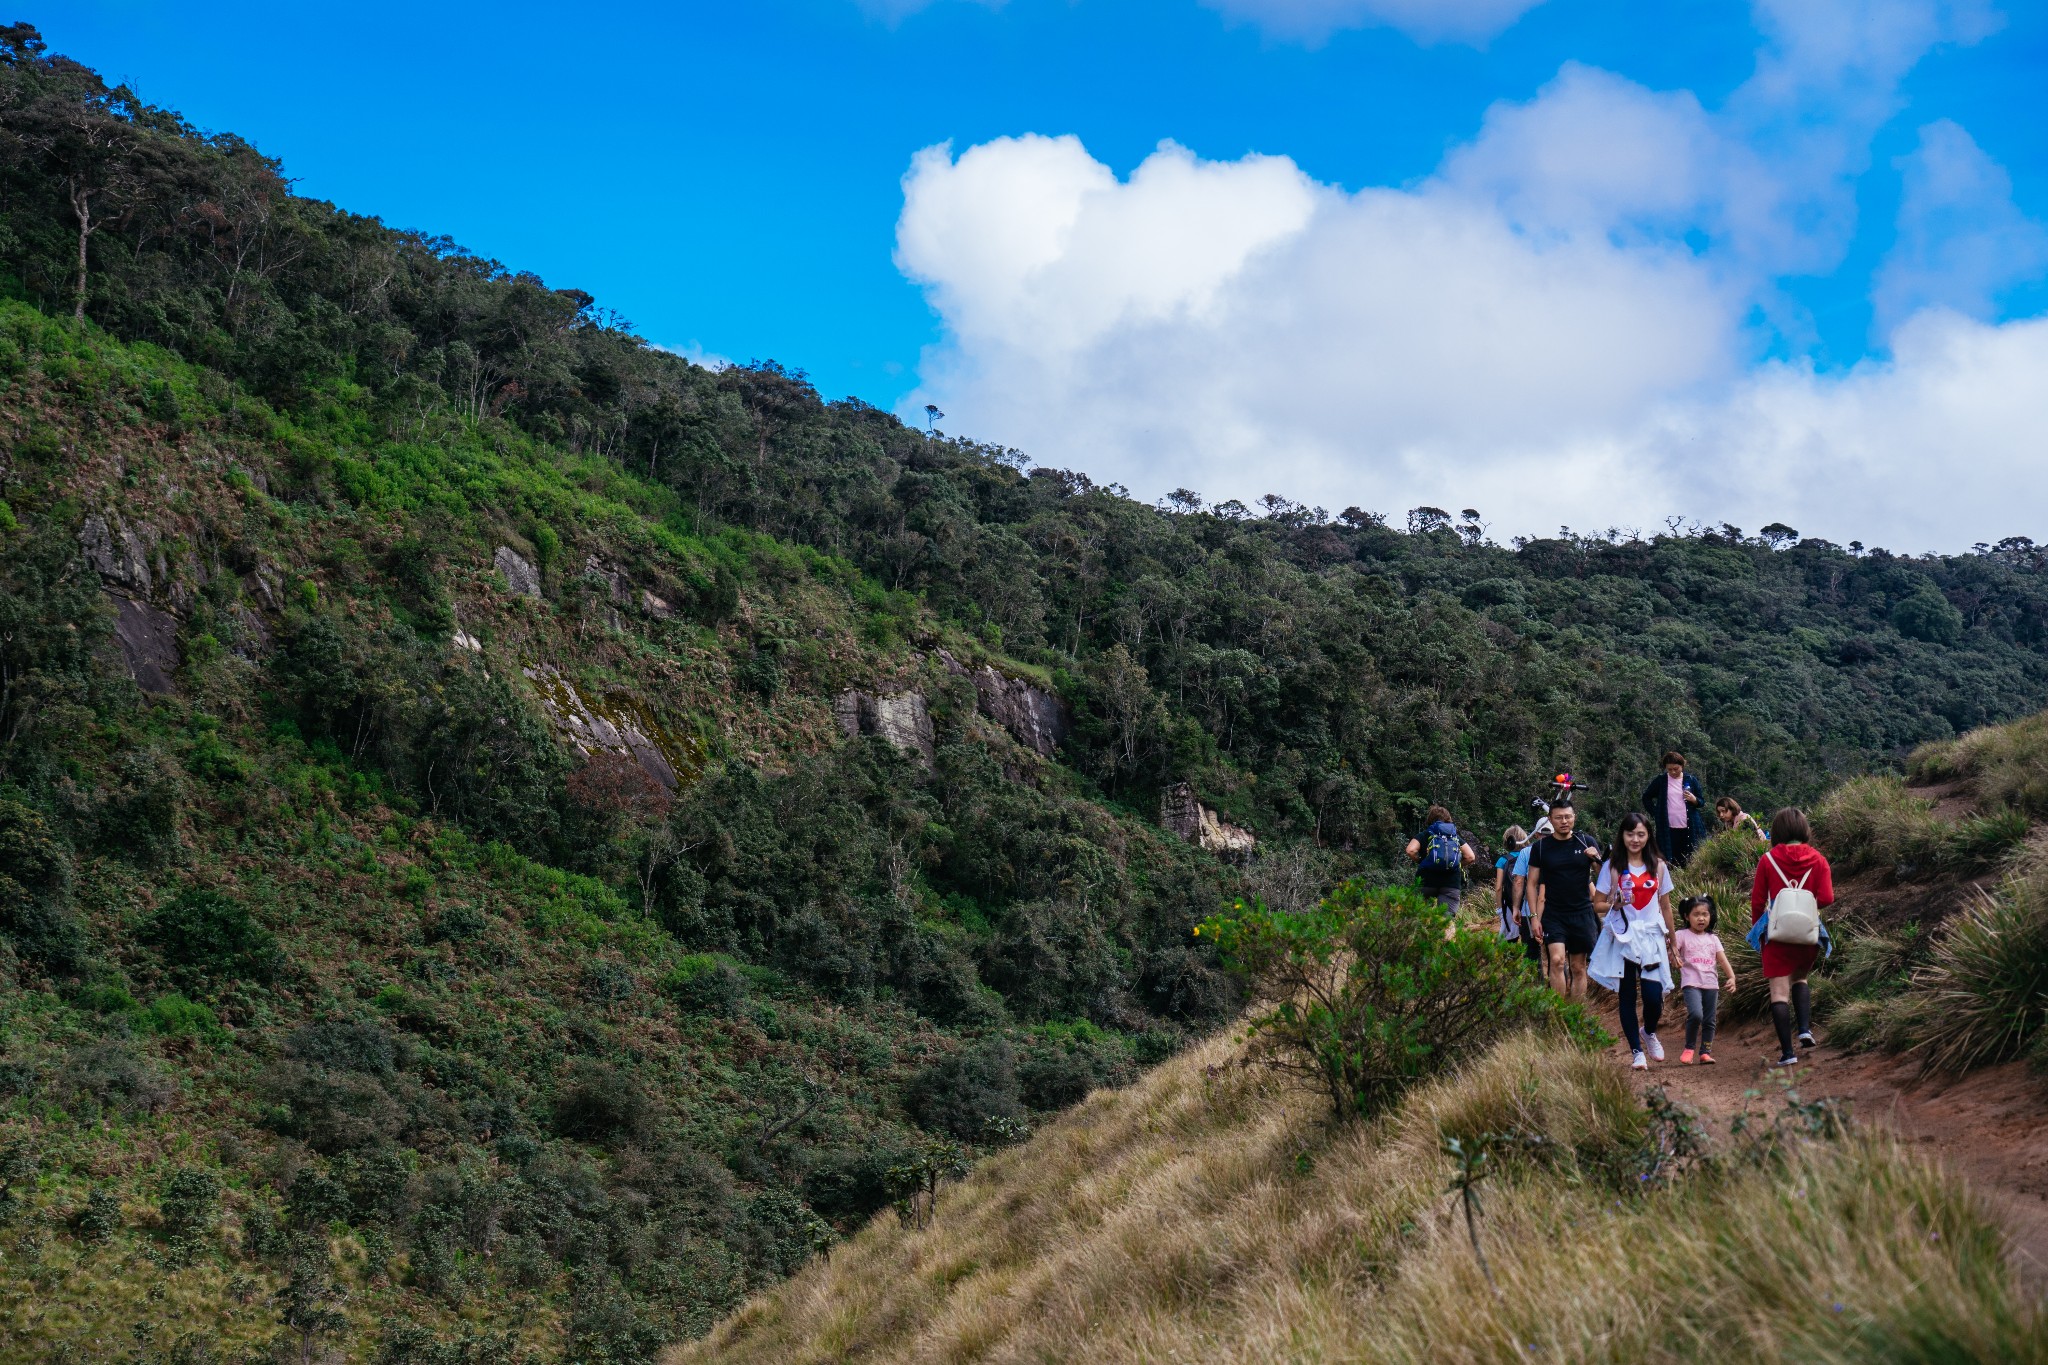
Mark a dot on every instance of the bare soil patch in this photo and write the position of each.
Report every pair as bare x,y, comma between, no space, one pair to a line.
1990,1126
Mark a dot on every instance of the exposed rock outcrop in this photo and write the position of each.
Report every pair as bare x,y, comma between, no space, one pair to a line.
899,717
602,727
149,643
119,554
1035,718
616,584
521,578
123,556
1182,814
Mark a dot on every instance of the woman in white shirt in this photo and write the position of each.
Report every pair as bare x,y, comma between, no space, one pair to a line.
1633,956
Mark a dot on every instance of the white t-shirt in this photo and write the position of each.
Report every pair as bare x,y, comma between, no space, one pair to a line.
1638,884
1634,917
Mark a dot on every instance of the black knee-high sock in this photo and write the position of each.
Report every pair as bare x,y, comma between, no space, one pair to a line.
1781,1019
1627,993
1802,1005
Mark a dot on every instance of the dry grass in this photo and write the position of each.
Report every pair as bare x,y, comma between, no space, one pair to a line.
1878,822
1207,1214
2004,766
1981,996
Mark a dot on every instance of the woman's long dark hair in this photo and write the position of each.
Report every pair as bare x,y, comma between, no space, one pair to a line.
1617,852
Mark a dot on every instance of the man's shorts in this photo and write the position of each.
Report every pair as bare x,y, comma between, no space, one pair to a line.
1577,932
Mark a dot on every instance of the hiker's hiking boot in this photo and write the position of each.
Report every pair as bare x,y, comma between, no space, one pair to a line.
1653,1047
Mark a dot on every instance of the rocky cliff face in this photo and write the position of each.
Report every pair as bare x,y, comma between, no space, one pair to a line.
597,728
521,578
1181,813
122,556
1035,718
901,718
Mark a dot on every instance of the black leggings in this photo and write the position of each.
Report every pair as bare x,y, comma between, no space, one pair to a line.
1701,1005
1653,1003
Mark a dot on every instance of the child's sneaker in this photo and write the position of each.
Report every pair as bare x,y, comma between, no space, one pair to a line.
1806,1038
1636,1062
1706,1057
1653,1047
1685,1057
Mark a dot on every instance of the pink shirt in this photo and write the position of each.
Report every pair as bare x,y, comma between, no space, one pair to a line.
1696,955
1675,814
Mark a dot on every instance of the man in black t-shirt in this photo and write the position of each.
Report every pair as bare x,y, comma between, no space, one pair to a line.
1561,868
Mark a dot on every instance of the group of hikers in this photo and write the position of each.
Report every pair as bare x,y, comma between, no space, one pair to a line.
1584,913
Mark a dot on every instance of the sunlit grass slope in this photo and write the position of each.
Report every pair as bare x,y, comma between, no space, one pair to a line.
1210,1213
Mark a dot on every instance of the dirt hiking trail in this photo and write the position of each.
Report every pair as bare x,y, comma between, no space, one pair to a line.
1990,1126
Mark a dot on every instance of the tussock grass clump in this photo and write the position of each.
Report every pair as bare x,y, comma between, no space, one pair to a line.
2004,766
1207,1214
1981,997
1877,822
1728,856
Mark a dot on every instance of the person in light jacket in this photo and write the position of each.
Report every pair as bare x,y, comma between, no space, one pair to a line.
1673,802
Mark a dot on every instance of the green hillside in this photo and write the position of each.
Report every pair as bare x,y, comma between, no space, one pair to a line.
510,842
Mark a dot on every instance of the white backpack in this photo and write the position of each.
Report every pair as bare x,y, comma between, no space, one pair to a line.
1795,914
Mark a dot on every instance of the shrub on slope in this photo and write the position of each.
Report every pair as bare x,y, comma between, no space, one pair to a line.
1367,993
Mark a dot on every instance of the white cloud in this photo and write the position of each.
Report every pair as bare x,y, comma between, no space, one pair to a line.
1943,445
1031,242
697,355
1962,241
1557,327
1426,21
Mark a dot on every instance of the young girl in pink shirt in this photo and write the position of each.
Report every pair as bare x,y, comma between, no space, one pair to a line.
1701,964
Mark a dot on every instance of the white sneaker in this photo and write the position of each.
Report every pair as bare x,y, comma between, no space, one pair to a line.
1636,1062
1653,1047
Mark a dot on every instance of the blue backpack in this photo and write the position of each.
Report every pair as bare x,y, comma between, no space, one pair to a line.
1441,848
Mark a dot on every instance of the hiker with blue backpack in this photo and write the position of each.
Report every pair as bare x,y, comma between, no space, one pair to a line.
1793,885
1440,854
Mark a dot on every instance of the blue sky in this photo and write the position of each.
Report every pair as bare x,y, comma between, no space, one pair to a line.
732,177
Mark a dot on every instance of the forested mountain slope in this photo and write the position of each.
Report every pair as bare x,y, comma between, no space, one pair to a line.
504,830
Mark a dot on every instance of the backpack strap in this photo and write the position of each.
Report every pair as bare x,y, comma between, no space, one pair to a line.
1783,880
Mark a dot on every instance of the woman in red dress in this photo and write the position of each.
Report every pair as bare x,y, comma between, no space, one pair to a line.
1785,965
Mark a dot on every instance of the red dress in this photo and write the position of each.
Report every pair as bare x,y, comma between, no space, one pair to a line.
1795,861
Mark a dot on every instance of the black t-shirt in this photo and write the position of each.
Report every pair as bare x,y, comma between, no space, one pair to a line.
1567,874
